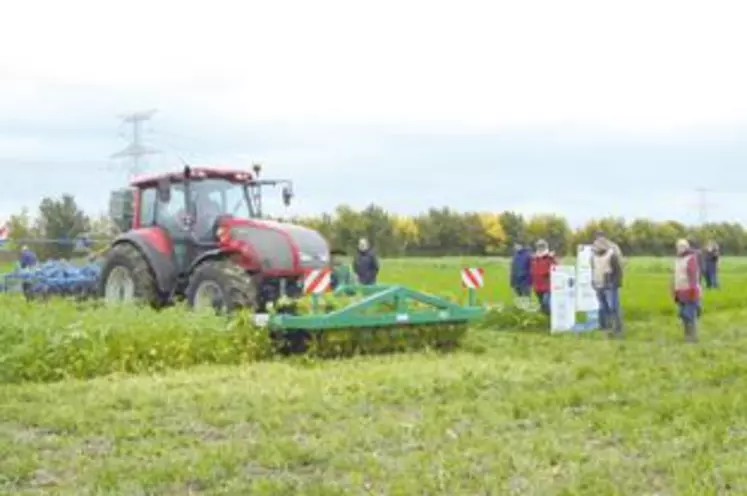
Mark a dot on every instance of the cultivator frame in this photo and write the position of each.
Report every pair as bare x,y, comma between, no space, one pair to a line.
441,311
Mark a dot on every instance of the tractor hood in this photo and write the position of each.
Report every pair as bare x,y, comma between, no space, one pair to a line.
270,241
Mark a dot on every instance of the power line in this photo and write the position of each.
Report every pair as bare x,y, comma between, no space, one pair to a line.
136,150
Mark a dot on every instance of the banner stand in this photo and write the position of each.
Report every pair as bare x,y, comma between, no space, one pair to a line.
573,300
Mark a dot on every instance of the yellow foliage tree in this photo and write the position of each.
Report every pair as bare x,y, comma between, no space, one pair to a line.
406,229
495,236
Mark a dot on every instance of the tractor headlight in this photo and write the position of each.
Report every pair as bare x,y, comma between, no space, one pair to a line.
308,258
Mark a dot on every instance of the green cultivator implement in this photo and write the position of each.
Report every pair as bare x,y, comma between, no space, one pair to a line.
373,318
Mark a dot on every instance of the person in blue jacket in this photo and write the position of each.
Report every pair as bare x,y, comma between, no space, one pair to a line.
521,279
27,258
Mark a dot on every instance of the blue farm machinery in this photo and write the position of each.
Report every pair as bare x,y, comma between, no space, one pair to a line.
53,277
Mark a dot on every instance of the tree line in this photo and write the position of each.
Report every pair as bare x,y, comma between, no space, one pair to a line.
437,232
445,231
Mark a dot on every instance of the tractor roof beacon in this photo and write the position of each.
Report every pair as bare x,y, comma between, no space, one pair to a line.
200,234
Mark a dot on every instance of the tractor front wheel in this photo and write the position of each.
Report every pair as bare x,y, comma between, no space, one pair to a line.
126,277
223,286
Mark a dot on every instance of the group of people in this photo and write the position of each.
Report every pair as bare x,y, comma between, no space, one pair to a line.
531,272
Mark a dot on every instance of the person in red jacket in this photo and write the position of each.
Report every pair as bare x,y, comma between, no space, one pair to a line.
686,288
542,262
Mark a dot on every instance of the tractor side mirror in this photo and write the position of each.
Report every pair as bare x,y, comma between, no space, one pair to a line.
164,191
287,195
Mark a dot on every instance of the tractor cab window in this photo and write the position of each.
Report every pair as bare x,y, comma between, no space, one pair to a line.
147,206
209,199
170,214
216,196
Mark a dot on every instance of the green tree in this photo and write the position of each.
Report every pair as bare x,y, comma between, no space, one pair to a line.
379,228
60,221
21,229
514,228
552,228
442,232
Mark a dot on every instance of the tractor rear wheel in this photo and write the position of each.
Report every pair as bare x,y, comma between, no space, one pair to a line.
222,285
126,277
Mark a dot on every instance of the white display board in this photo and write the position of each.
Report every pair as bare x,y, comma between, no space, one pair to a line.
562,298
586,296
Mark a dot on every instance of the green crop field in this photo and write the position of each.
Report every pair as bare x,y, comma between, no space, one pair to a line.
127,401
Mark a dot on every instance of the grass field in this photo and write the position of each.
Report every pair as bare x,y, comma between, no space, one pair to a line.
512,412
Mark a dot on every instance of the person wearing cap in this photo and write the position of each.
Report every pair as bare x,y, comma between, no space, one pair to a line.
521,266
606,279
686,288
541,266
366,263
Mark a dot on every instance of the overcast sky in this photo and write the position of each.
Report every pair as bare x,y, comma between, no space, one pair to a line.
578,107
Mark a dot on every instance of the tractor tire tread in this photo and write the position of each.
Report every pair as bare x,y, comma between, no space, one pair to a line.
146,287
240,289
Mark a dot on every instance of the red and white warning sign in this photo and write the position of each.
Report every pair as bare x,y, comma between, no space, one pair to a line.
473,278
317,281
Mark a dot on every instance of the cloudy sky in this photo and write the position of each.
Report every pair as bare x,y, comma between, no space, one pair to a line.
577,107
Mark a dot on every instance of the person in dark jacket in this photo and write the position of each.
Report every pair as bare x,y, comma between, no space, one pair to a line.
711,256
521,270
543,261
366,263
606,279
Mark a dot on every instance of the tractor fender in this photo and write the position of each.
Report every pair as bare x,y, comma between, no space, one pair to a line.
215,254
156,248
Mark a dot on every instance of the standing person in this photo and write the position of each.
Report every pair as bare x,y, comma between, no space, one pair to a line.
521,267
606,278
366,263
542,263
686,288
27,258
711,256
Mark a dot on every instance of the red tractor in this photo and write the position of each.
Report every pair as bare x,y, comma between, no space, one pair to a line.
199,234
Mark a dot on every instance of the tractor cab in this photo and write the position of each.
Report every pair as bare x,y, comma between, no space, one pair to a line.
182,224
192,198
